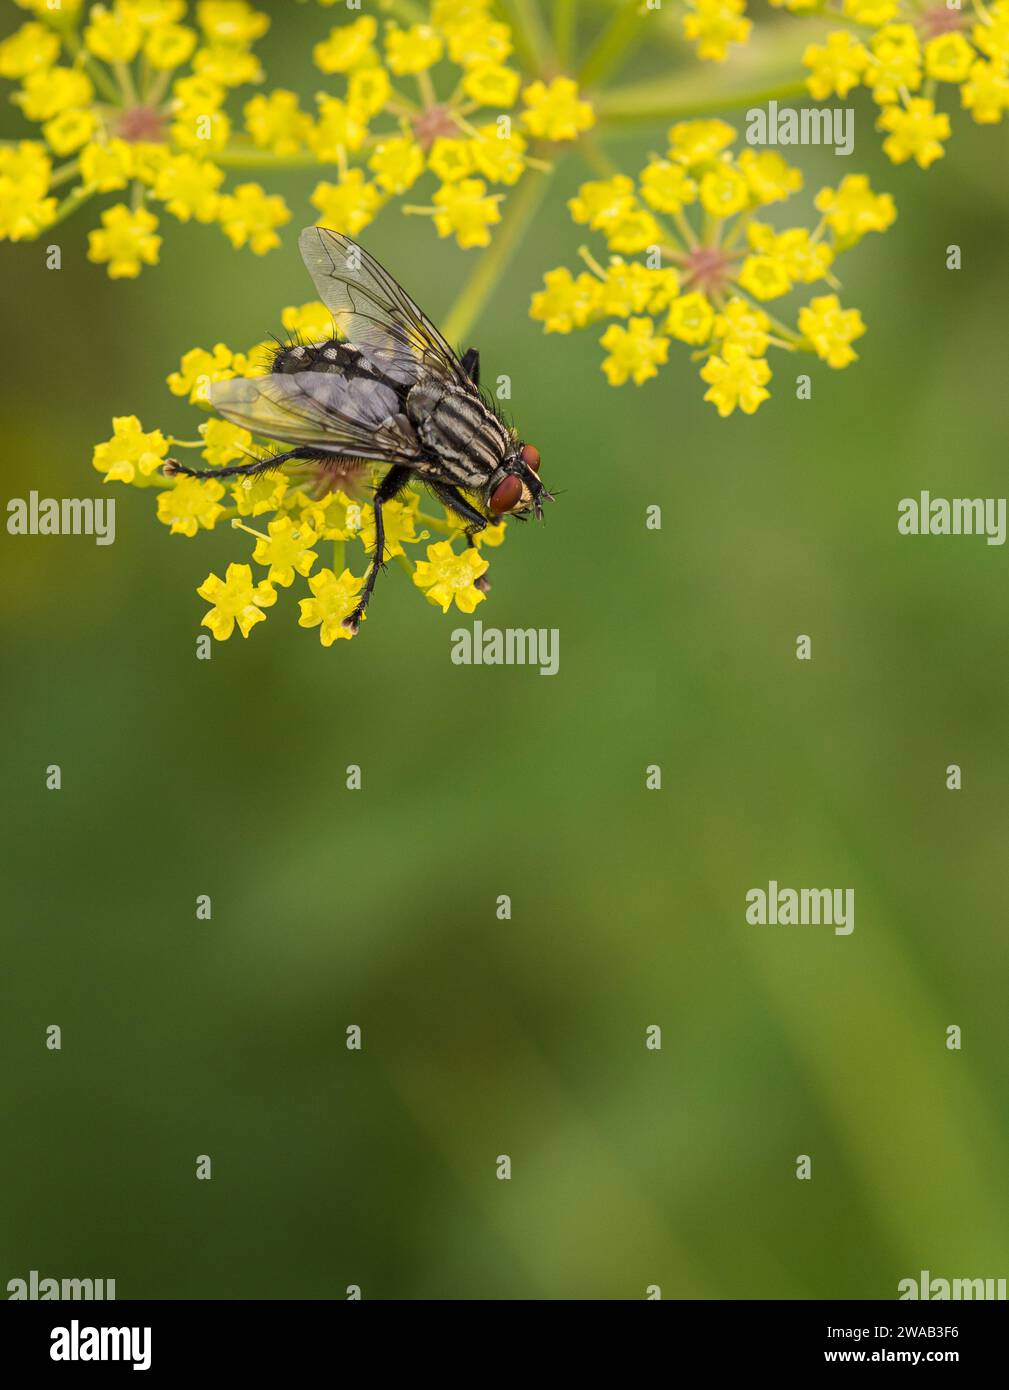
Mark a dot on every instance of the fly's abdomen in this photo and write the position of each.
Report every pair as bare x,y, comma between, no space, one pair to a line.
459,429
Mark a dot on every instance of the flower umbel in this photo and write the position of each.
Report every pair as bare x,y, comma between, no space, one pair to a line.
711,265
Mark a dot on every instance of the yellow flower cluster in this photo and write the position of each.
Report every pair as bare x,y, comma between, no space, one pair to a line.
710,264
134,98
292,515
907,53
392,120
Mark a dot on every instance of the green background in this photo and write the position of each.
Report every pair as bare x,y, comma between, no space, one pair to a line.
377,908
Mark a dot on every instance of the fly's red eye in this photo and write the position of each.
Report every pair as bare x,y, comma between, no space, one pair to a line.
506,495
531,457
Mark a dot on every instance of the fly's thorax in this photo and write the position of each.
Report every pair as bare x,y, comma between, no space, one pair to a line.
463,432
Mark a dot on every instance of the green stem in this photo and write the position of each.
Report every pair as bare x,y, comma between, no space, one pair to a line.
612,45
623,106
564,30
249,157
531,41
77,198
489,269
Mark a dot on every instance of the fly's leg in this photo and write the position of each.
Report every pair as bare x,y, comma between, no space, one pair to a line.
172,467
471,365
452,498
391,485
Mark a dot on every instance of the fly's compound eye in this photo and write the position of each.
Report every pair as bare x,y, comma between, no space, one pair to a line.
531,457
505,496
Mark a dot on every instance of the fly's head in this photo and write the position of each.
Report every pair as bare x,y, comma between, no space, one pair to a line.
515,488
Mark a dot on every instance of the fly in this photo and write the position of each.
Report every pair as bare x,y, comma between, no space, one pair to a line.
388,391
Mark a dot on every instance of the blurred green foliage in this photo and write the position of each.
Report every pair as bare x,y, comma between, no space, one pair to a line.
377,907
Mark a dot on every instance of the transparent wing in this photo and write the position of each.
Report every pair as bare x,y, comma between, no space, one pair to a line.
374,313
357,417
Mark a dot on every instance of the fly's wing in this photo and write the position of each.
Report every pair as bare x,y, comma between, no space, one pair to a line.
351,416
374,313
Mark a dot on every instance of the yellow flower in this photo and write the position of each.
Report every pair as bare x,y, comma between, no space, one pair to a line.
189,187
736,379
895,66
190,504
169,46
801,258
948,58
348,46
601,202
224,442
473,38
715,24
340,128
634,230
334,600
740,325
46,93
400,525
985,94
835,68
70,130
466,209
397,163
24,207
231,21
227,65
633,351
831,329
691,318
310,323
368,90
412,50
449,577
631,288
666,186
724,191
251,215
693,143
235,599
492,84
871,12
771,178
125,241
765,277
287,551
130,451
198,369
916,132
556,112
106,168
276,122
450,159
33,48
347,206
565,303
498,157
113,36
264,493
852,209
152,14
